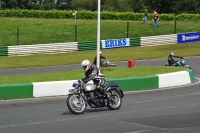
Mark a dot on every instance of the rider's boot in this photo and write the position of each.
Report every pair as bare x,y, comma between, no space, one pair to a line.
106,93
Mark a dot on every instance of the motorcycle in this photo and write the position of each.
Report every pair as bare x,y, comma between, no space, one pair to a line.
182,63
83,95
107,63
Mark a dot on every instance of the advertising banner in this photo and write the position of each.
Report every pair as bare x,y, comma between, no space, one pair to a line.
188,37
112,43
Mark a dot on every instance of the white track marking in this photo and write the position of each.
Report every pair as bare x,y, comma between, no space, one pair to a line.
137,131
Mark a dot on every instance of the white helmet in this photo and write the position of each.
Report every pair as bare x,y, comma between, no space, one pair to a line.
86,65
100,52
172,54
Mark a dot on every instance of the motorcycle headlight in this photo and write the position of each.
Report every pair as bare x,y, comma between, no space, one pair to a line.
75,84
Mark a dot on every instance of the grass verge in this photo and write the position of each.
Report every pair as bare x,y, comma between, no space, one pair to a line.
111,72
43,31
117,54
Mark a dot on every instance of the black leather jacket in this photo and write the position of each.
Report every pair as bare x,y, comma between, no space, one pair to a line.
92,74
95,59
171,57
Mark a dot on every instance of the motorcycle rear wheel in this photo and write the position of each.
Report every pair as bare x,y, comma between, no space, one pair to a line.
116,100
76,104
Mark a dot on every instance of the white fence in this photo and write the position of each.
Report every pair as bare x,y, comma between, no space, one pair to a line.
73,46
42,48
158,40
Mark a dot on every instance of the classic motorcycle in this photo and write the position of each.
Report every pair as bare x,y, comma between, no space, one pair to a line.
86,94
182,63
107,63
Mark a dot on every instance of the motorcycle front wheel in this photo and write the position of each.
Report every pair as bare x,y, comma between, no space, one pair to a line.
76,104
116,100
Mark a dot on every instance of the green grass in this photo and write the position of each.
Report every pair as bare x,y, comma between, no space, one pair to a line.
43,31
40,31
117,54
111,72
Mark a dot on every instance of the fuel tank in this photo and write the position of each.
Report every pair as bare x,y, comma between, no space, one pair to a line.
89,87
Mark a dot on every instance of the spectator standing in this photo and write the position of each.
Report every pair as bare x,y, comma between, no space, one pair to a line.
145,16
155,19
154,13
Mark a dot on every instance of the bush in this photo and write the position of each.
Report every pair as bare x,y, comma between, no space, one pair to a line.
84,14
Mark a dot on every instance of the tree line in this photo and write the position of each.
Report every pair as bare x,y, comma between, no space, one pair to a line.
161,6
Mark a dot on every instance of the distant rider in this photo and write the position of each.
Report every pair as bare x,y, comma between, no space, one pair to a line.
171,57
101,57
93,73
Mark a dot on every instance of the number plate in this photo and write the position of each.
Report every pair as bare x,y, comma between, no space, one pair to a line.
73,90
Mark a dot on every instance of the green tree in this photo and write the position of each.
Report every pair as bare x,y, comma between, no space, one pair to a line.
187,6
110,5
49,5
84,5
10,4
161,6
116,5
24,4
139,6
63,4
38,5
198,9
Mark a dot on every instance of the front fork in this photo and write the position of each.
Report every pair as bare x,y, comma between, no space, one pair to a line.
79,95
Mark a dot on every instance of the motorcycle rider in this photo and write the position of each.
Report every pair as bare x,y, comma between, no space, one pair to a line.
93,73
101,57
171,60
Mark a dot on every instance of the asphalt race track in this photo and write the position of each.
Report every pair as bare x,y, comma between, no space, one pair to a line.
170,110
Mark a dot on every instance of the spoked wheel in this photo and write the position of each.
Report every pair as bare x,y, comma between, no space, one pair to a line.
76,104
116,100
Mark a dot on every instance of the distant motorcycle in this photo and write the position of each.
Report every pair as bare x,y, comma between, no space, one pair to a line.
107,63
182,63
86,94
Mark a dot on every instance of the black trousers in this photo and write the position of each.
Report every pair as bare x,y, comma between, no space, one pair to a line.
171,63
100,83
